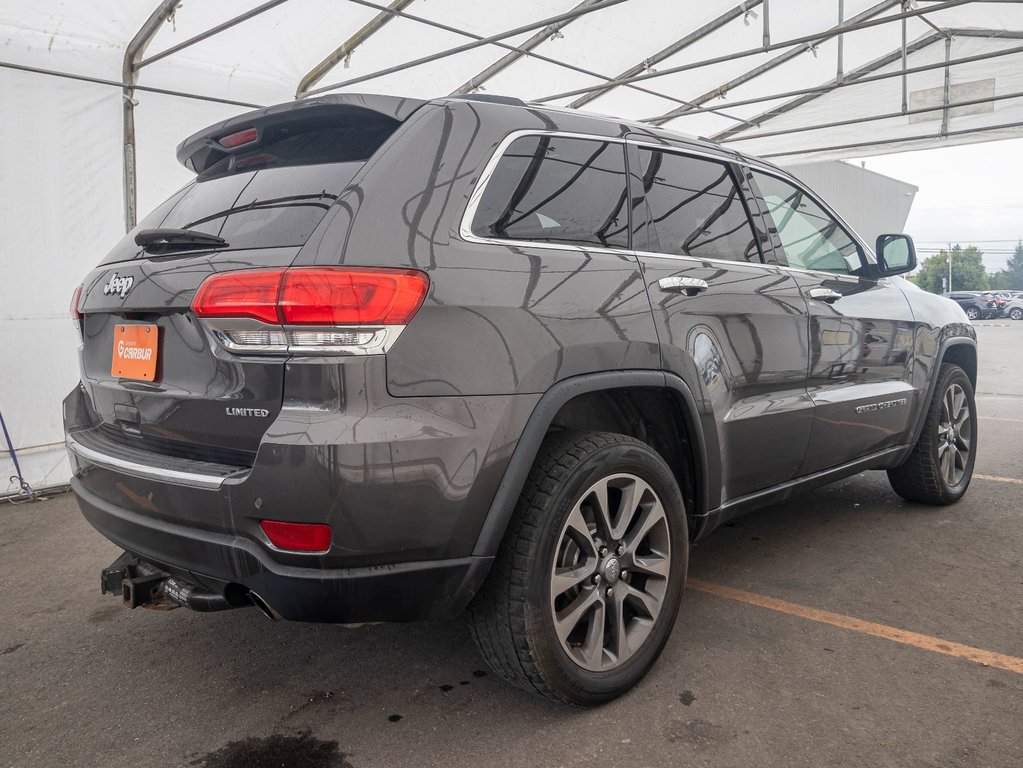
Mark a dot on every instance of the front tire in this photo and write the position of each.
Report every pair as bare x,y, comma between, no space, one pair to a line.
939,469
1016,313
973,313
586,587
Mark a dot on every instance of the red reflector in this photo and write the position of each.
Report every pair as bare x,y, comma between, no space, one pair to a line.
301,537
349,296
251,293
75,298
233,140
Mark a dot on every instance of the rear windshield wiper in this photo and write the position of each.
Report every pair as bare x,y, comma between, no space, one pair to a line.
175,239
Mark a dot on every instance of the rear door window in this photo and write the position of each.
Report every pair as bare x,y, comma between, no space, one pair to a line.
694,208
554,189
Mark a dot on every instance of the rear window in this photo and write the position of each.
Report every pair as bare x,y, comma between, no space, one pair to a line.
271,195
557,190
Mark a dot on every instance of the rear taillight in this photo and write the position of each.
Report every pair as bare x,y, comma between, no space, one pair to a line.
297,537
76,313
76,297
351,296
341,310
252,294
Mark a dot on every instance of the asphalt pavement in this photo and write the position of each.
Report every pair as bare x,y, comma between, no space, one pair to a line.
792,650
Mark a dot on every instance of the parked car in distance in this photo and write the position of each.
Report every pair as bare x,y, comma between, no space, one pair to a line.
1014,308
999,298
388,359
974,305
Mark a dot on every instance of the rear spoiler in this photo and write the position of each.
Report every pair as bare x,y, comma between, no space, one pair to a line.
201,150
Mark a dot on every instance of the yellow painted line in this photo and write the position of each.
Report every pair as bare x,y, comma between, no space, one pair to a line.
925,642
998,479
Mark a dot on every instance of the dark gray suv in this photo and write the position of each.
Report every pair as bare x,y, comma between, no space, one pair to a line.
387,359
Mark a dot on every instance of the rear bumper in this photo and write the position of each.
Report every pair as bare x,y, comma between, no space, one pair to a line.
224,563
405,484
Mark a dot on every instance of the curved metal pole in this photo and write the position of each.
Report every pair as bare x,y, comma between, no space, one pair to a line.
600,5
348,46
129,73
508,59
815,38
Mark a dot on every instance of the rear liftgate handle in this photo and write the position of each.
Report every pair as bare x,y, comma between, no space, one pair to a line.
824,294
690,286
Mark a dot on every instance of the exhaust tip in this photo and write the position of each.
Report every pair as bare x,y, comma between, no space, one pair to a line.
263,606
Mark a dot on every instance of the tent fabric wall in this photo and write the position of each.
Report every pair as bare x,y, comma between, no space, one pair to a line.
61,188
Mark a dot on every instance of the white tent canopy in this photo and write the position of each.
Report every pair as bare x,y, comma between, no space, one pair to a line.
98,93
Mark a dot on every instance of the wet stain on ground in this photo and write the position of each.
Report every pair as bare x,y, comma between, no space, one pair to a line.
18,646
479,673
463,682
992,683
446,687
278,751
686,697
394,718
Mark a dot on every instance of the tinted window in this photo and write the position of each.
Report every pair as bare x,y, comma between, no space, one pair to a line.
695,208
271,195
557,190
810,236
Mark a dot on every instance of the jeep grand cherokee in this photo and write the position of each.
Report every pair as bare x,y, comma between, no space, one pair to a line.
387,359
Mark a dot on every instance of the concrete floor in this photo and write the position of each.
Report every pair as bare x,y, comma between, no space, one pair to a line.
87,683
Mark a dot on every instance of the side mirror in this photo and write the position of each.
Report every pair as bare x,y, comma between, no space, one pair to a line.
896,254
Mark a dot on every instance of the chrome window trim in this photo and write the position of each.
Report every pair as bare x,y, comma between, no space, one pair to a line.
465,225
145,471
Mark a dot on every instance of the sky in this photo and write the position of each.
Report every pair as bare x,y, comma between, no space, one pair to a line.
971,195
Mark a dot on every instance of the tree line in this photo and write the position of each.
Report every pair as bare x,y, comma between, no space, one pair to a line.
968,271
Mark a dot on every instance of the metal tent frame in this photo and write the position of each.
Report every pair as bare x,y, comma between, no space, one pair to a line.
641,78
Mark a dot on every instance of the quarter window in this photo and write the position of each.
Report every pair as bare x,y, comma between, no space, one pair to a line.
810,236
694,208
557,190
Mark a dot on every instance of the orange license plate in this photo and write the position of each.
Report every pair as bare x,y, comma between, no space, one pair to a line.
134,352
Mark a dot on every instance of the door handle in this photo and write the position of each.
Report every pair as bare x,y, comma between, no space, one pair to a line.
690,286
824,294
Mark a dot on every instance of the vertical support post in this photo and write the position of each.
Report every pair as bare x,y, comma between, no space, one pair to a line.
840,75
767,24
950,268
129,75
948,86
905,85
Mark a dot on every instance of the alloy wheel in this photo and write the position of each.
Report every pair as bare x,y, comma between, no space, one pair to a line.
955,435
610,572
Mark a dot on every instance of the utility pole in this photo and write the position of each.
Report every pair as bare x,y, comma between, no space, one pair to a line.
950,267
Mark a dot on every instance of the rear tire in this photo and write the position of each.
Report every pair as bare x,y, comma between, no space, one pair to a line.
939,469
586,586
973,313
1016,313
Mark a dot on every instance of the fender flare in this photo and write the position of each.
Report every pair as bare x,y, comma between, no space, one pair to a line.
528,445
921,416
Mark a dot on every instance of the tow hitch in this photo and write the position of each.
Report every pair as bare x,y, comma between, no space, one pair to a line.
143,585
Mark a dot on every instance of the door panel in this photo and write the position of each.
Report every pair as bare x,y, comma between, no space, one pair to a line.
741,341
861,330
861,350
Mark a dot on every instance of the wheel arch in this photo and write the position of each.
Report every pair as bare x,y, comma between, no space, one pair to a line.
627,399
961,350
